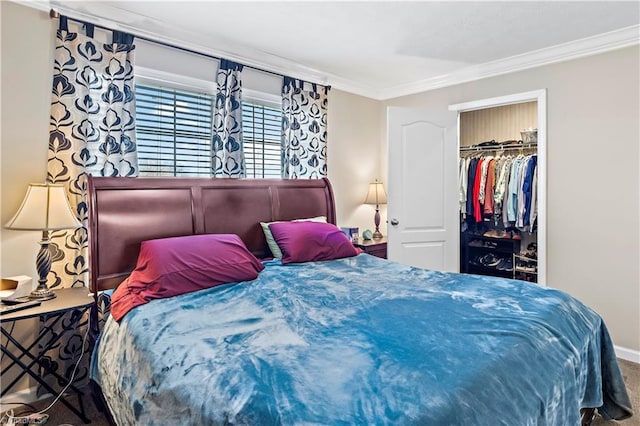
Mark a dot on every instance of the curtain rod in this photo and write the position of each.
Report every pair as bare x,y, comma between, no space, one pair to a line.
54,14
500,147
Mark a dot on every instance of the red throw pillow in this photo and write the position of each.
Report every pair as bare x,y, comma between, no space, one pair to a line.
171,266
311,241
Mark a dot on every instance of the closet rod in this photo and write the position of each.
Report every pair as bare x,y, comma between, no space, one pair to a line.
529,145
53,14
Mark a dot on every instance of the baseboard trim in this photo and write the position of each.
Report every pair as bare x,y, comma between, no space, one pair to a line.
627,354
25,396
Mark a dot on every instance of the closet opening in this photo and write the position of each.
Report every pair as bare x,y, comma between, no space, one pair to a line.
501,187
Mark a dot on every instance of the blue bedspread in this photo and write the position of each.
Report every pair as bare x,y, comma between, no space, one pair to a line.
360,341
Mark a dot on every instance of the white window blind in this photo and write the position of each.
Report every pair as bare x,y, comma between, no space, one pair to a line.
261,133
173,131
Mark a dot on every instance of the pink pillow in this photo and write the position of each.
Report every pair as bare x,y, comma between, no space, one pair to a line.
311,241
171,266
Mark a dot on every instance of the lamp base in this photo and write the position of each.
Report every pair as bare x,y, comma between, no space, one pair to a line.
42,294
43,264
376,220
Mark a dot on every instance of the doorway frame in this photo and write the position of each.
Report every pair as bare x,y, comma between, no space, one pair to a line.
539,96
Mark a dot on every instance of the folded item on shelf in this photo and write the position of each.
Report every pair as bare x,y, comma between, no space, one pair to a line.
487,143
476,243
496,233
480,243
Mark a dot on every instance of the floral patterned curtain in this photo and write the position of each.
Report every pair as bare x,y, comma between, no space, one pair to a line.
91,131
304,130
227,150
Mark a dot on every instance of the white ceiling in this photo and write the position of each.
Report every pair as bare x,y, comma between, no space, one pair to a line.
378,48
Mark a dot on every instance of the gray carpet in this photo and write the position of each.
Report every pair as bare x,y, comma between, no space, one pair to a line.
631,373
60,415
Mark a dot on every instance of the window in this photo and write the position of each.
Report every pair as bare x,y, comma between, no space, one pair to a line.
173,131
261,132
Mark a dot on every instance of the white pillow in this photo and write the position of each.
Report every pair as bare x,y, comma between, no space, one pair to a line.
271,242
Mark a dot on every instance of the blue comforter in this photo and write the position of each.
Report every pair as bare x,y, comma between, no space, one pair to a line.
360,341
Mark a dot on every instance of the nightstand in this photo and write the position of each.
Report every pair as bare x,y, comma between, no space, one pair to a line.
58,317
375,247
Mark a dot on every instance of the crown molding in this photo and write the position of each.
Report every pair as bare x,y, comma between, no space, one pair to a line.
588,46
181,38
593,45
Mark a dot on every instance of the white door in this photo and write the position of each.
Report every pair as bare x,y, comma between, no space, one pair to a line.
422,208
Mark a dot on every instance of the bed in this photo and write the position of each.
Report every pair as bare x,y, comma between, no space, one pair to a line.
352,340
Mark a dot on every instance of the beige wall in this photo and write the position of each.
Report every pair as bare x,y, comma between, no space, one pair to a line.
354,157
26,86
593,140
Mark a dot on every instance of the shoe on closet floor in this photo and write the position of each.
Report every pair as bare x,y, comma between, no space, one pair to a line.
505,265
490,260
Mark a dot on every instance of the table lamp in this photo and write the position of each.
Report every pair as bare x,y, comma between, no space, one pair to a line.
45,208
376,196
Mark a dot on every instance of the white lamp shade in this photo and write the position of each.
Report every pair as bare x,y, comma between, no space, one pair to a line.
376,194
45,207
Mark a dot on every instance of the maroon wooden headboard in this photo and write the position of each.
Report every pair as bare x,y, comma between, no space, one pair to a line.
123,212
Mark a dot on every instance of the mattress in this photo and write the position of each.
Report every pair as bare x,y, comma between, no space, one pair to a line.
360,340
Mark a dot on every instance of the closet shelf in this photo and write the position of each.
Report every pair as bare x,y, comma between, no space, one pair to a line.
499,147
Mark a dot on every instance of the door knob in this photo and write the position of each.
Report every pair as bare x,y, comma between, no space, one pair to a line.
395,222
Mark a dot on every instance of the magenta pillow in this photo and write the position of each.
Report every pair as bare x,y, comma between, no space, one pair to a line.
171,266
311,241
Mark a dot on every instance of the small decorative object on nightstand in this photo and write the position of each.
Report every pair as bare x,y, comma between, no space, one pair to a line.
351,233
376,247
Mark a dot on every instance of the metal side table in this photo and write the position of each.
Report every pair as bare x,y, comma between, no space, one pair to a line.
28,356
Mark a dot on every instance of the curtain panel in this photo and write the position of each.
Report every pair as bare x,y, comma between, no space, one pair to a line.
304,129
91,131
227,150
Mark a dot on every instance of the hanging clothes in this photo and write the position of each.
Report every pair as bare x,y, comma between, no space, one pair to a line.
471,173
489,186
534,199
527,189
462,184
483,177
500,185
477,210
503,180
